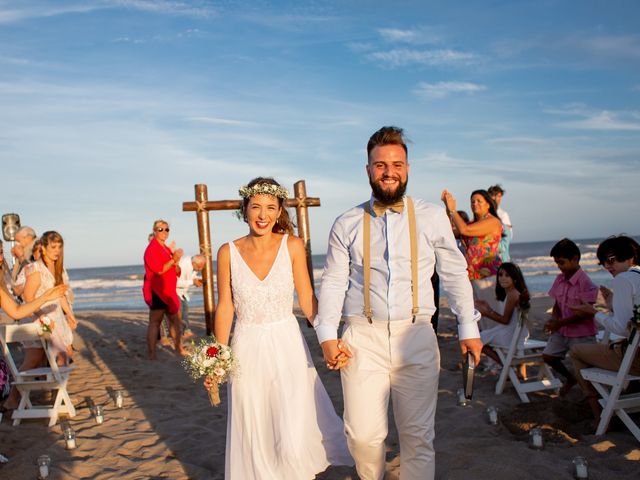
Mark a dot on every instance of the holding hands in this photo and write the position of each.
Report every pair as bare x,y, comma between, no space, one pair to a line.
336,354
210,382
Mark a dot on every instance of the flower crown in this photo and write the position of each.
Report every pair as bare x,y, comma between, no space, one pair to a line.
264,189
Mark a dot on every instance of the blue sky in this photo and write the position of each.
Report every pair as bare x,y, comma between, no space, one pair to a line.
111,111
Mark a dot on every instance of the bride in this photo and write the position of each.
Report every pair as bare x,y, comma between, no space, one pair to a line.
281,423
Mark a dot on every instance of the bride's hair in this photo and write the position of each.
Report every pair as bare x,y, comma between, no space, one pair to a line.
283,223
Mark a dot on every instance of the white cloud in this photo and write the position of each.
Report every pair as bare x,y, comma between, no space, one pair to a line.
360,47
411,36
444,89
606,120
627,46
223,121
28,10
11,12
517,142
442,57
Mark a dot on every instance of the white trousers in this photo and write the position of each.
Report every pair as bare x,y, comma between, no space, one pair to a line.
400,359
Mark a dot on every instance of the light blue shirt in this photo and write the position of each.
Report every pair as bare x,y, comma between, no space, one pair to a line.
342,280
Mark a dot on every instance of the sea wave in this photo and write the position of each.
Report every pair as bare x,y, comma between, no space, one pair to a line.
102,284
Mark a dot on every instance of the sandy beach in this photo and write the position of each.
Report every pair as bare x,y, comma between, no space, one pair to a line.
167,428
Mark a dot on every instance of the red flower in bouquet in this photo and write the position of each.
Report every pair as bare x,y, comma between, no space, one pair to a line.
213,360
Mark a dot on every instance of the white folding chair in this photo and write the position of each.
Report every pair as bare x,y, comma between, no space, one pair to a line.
611,385
530,353
52,378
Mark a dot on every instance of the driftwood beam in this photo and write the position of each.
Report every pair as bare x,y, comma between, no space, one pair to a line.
235,204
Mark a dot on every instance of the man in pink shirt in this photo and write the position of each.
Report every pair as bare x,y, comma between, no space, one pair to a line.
567,327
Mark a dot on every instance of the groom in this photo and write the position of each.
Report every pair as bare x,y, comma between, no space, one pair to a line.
377,277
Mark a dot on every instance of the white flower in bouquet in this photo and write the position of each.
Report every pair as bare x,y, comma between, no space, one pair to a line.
214,360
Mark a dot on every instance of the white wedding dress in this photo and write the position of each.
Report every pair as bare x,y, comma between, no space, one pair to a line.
281,423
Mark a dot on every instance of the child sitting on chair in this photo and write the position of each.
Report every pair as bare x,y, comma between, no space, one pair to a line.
566,326
512,293
620,256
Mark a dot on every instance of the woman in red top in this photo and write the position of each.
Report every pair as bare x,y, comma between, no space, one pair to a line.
159,290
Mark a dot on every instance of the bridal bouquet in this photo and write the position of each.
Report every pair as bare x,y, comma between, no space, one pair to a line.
211,359
45,325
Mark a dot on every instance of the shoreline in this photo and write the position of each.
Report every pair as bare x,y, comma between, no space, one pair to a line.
167,428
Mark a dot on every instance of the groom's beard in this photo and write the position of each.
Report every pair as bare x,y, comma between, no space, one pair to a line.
387,197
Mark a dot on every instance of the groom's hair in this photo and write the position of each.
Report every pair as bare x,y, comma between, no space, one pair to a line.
387,136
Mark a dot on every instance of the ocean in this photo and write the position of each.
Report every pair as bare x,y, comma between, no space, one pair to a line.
120,288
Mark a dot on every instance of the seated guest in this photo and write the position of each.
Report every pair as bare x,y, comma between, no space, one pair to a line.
619,256
17,312
22,251
5,271
513,297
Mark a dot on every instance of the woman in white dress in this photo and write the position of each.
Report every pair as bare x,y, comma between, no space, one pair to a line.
513,296
41,278
281,423
43,274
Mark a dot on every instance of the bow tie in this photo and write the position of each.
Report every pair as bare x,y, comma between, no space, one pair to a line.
380,208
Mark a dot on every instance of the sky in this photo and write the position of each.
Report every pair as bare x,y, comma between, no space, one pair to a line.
112,110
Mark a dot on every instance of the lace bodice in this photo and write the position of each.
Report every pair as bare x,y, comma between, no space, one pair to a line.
266,301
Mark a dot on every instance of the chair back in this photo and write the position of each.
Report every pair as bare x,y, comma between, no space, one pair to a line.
27,332
629,353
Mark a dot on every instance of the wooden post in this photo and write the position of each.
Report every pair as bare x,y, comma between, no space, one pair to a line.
302,217
204,238
203,206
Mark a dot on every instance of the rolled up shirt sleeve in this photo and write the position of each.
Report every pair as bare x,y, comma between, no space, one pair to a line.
452,269
335,280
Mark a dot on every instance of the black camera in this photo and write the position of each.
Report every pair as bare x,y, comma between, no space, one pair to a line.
467,375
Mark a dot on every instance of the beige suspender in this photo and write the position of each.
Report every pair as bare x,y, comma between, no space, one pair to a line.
366,259
413,238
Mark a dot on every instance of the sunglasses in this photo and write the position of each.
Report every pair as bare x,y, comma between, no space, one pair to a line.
162,229
608,261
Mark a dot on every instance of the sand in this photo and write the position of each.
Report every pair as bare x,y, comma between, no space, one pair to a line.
167,428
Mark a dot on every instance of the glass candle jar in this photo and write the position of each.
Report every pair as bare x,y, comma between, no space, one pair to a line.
581,468
44,461
99,412
535,439
492,415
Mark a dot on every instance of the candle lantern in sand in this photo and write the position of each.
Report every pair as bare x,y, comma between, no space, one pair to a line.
70,438
535,439
99,414
44,461
462,399
492,415
118,398
581,468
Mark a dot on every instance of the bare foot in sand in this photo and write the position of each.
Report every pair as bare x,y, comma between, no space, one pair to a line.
183,351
